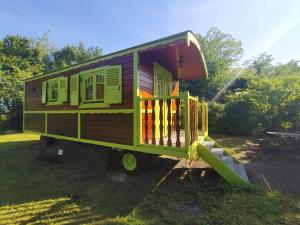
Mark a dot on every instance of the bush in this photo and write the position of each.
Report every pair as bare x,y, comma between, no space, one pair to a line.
267,104
216,117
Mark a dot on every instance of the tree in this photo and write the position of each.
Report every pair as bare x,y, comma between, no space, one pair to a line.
221,52
291,67
262,64
70,55
22,58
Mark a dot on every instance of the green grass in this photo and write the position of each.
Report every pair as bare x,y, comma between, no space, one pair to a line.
36,192
231,143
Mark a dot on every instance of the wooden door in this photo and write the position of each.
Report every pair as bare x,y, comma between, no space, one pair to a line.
162,88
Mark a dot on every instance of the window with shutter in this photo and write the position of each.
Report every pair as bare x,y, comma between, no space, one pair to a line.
92,87
101,86
74,90
54,91
63,89
113,90
44,92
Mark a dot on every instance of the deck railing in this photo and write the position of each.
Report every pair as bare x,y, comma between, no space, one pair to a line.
169,121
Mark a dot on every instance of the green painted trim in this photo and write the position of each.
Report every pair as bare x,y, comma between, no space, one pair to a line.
93,105
60,92
193,98
54,103
158,147
159,150
129,161
220,167
193,151
186,35
84,111
164,98
145,149
187,119
136,92
197,118
204,112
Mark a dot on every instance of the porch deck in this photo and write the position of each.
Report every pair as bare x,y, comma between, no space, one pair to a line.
174,138
172,121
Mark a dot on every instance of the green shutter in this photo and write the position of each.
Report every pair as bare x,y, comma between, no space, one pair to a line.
44,92
113,85
74,90
63,89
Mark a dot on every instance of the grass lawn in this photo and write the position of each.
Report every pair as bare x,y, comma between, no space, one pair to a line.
36,192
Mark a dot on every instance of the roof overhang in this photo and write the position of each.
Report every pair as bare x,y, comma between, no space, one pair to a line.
182,55
187,55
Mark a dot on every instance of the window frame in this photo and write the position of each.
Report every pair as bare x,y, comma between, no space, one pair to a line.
91,80
83,103
49,100
50,90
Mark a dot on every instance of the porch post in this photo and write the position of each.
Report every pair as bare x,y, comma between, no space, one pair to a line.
196,118
187,120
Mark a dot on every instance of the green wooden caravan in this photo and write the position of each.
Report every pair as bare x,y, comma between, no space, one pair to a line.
130,101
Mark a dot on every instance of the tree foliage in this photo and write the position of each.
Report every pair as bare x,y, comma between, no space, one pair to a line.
221,52
22,58
265,104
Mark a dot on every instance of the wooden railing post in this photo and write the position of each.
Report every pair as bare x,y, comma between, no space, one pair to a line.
146,122
153,123
169,101
178,143
187,120
204,119
161,126
139,121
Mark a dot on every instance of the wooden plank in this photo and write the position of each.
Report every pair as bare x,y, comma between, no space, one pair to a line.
63,124
115,128
34,122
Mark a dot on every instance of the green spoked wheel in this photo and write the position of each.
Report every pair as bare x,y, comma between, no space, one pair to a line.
129,162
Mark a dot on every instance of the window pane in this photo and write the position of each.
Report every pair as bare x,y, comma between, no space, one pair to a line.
89,92
99,91
54,94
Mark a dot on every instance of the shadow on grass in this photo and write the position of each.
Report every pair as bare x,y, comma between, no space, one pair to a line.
31,190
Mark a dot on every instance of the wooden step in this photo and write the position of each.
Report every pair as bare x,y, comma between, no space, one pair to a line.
228,160
218,152
240,170
209,144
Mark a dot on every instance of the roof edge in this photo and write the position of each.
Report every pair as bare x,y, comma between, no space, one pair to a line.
188,35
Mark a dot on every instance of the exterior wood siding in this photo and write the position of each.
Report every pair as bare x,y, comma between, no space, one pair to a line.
146,77
33,89
114,128
63,124
34,122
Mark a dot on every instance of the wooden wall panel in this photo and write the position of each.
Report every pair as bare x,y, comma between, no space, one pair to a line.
63,124
34,122
146,76
114,127
34,88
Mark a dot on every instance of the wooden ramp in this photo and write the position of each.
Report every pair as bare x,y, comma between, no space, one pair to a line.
224,164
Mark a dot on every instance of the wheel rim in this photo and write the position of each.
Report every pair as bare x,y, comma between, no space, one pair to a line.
129,161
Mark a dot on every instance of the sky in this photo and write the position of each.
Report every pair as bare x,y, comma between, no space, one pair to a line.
261,25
